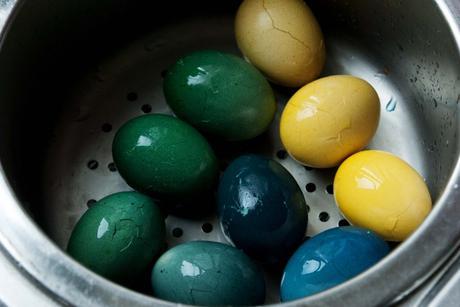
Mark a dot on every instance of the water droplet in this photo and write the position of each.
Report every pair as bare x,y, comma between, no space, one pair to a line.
380,75
391,105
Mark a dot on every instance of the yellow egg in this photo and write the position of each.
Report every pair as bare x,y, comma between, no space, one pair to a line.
329,119
378,191
281,38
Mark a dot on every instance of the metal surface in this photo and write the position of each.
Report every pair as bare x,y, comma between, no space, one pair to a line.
413,61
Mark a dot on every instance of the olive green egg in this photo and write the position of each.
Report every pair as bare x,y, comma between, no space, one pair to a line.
119,236
164,157
208,273
220,94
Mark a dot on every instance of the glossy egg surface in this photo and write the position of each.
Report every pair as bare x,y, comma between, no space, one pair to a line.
379,191
261,208
165,157
208,273
119,236
220,94
330,258
329,119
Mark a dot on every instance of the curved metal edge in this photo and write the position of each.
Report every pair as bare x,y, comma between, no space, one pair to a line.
21,238
49,268
448,279
437,230
8,8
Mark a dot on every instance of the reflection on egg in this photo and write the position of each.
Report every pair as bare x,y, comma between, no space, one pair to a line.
261,208
282,38
164,157
330,258
220,94
329,119
208,273
377,190
119,236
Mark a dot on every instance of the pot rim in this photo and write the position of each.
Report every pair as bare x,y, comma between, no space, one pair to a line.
49,268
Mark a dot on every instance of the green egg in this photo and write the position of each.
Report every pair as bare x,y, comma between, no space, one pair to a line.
208,273
220,94
164,157
119,236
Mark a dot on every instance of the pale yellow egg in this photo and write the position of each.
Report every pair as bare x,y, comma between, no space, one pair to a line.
379,191
282,39
329,119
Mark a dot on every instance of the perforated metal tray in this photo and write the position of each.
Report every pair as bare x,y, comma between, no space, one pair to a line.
80,169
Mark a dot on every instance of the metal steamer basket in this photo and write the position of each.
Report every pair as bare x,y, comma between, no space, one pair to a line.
71,72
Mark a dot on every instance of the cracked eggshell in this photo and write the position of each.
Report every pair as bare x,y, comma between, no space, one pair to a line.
220,94
379,191
329,119
208,273
119,236
330,258
281,38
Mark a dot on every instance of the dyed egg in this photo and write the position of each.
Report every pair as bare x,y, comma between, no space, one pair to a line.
220,94
164,157
329,119
119,236
377,190
261,208
282,38
330,258
208,273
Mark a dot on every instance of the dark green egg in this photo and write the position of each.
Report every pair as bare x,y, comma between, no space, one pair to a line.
119,236
262,208
220,94
208,273
164,157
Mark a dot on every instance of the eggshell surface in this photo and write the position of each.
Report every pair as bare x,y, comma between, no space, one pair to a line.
220,94
329,119
381,192
119,236
208,273
164,157
261,208
330,258
282,38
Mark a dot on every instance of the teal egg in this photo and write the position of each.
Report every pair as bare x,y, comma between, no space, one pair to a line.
220,94
164,157
119,236
207,273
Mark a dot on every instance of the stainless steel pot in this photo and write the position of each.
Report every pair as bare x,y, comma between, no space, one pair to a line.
68,68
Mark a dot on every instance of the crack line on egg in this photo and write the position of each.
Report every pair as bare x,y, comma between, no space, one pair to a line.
398,216
339,137
114,231
284,31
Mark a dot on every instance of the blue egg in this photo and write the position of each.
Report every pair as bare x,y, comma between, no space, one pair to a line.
261,208
330,258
